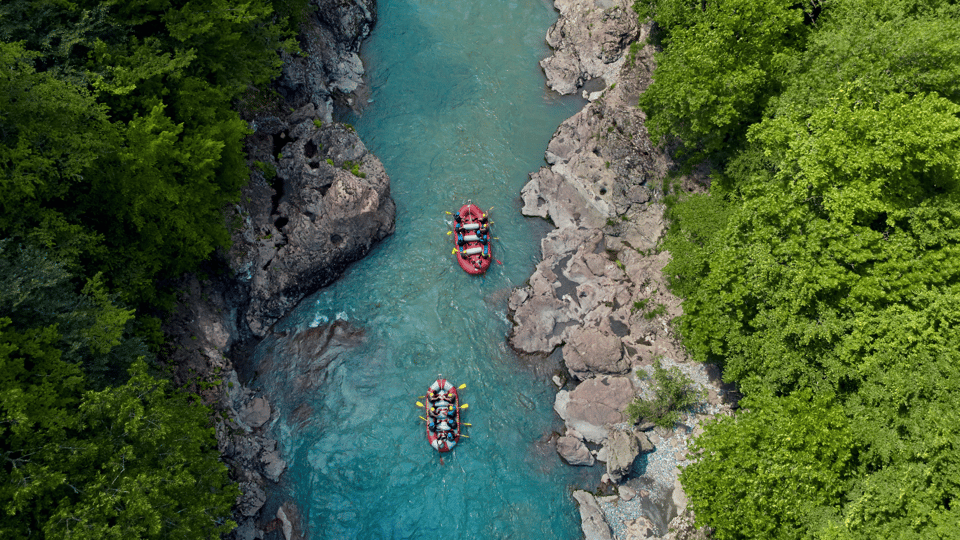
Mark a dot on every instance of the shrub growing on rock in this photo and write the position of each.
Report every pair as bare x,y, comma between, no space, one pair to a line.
674,391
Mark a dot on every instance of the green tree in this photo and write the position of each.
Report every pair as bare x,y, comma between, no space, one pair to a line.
721,63
148,469
821,271
118,145
877,47
134,460
850,201
776,471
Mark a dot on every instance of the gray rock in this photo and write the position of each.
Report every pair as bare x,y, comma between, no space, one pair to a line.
285,524
273,465
622,450
595,404
645,445
593,523
627,493
590,351
574,452
256,413
640,528
331,66
251,499
326,218
588,41
684,527
679,496
247,530
575,286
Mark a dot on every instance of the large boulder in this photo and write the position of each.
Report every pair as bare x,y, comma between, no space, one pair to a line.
576,285
590,351
331,204
591,517
251,499
594,405
622,449
588,41
331,67
572,449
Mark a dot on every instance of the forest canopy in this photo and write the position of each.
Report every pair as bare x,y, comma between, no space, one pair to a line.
822,267
119,149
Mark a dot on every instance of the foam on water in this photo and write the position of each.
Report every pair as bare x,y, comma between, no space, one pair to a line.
458,110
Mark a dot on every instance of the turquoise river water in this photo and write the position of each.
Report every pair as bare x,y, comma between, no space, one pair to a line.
458,110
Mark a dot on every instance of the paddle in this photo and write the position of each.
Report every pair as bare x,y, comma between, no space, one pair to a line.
462,386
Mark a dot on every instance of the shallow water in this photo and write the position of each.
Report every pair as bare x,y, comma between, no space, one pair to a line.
458,110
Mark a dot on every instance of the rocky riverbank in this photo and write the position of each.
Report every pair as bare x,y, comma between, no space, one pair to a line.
599,294
317,200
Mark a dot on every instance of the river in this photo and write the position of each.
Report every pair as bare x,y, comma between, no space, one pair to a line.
457,110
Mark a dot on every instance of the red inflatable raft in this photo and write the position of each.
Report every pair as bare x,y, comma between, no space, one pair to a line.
472,239
442,408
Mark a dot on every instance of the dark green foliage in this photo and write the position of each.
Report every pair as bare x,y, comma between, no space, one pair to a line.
269,170
148,470
132,460
822,272
118,152
118,146
674,393
37,292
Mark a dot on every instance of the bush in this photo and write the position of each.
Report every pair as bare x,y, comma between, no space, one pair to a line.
675,392
268,169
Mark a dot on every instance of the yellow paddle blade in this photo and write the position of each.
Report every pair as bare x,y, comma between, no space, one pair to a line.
449,233
466,424
424,419
450,213
465,405
419,404
454,250
464,435
462,386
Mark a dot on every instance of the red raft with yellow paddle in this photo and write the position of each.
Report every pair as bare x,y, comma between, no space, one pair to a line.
471,229
442,415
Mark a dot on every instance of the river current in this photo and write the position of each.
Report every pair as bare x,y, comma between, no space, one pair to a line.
458,109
